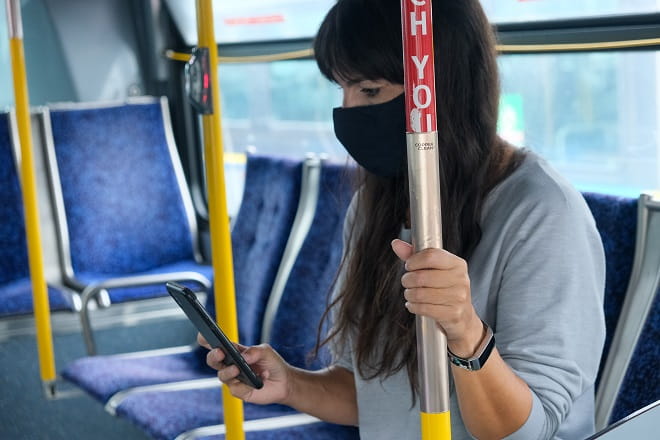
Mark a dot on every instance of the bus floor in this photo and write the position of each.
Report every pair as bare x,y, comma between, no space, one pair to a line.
25,412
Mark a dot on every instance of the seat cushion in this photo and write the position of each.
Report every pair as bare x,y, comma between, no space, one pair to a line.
16,298
315,431
164,415
103,376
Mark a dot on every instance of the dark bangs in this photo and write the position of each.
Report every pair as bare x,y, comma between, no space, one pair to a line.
361,39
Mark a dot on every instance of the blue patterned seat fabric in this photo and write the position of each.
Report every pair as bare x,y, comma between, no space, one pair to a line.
172,413
164,415
15,287
259,237
315,431
641,382
124,208
293,336
616,219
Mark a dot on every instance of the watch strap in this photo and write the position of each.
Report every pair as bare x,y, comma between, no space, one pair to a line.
480,357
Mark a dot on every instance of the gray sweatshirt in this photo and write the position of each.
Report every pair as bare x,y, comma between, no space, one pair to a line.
537,278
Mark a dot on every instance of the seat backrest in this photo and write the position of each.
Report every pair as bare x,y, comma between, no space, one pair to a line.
641,382
631,378
616,219
259,235
305,295
13,247
15,283
120,194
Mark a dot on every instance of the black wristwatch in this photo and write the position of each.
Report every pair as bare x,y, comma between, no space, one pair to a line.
480,357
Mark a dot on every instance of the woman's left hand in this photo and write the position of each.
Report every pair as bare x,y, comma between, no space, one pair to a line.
437,285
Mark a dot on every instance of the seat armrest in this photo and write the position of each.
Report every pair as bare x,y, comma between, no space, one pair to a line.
92,290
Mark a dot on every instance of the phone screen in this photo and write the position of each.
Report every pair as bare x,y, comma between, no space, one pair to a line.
198,315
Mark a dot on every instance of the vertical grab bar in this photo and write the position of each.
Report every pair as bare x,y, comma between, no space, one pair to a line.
425,215
29,189
221,254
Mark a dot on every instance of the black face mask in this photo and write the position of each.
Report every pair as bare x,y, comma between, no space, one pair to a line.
374,135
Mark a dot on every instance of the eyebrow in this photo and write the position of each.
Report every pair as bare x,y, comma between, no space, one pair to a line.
353,81
359,80
349,80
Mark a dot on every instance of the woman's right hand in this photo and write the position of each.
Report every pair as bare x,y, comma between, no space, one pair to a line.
266,363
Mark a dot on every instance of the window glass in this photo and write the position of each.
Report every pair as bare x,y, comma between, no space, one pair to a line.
594,116
510,11
6,85
48,75
282,108
253,20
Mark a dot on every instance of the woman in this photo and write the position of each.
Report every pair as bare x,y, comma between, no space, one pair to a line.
522,256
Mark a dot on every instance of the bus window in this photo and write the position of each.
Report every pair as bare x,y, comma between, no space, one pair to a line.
593,115
508,11
62,65
284,108
281,107
253,20
6,86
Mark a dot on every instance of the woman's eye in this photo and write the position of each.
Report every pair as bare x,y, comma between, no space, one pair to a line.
371,93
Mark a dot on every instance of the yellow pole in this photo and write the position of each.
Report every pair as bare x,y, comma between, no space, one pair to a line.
29,187
436,426
223,270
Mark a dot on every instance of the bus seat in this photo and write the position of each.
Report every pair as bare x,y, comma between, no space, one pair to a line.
630,377
641,383
261,228
292,337
265,220
124,216
15,284
316,431
616,220
167,414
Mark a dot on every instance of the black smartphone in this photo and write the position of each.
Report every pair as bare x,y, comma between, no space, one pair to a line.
212,333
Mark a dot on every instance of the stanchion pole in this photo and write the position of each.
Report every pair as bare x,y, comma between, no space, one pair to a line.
425,215
29,188
221,254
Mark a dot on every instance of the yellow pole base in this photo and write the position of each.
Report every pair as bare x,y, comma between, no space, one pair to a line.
436,426
233,414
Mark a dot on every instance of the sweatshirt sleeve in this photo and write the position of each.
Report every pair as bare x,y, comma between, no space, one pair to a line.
549,315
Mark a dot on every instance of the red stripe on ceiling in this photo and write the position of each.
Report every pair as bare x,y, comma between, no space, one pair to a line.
237,21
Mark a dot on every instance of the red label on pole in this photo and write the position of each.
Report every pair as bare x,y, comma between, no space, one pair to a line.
419,66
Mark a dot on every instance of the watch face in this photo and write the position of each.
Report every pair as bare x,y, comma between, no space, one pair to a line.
459,362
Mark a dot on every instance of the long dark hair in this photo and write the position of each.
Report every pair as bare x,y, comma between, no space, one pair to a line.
361,39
